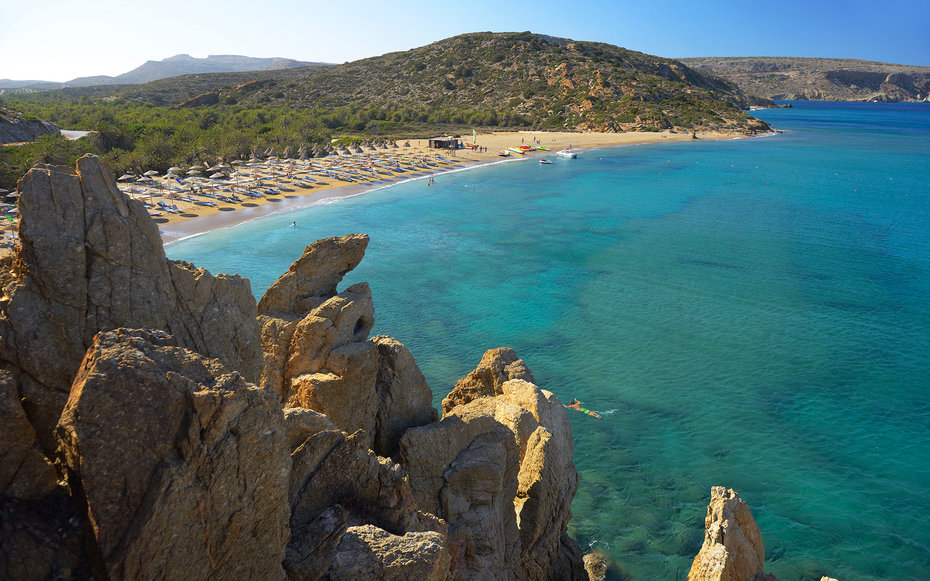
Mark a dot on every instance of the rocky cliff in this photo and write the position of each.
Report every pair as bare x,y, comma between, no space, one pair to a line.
820,79
17,129
155,422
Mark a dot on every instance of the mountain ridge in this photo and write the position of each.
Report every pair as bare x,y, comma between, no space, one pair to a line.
173,66
825,79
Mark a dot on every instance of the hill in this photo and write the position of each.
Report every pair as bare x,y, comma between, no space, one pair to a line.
820,79
491,79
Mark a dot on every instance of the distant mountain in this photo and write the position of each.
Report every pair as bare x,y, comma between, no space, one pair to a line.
819,79
512,79
175,66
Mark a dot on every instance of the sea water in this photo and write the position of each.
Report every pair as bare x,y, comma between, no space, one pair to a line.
750,313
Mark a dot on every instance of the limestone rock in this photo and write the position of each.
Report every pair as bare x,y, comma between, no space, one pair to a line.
314,543
301,423
502,457
91,260
331,467
41,539
496,367
464,470
315,274
25,472
367,552
321,358
405,399
336,480
732,549
182,466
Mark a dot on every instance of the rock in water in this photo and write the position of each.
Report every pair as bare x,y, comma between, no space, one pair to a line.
732,549
182,465
92,260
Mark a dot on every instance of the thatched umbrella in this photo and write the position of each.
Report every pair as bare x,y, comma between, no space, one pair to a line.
269,152
287,152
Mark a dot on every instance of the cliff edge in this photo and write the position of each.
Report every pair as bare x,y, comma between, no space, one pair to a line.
157,422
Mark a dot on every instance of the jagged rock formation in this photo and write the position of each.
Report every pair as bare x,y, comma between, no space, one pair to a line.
169,461
90,260
732,549
505,441
16,129
317,353
181,464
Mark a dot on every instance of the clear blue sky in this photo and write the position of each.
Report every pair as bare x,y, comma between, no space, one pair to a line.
58,40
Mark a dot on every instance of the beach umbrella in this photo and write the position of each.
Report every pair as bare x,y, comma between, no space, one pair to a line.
4,191
287,152
406,144
197,167
174,168
125,177
217,175
151,173
217,167
193,172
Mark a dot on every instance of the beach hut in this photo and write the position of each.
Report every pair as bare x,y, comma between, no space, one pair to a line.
445,143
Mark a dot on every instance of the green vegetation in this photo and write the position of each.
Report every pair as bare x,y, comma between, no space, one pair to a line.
482,81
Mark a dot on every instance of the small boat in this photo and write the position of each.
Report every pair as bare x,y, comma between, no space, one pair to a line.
545,161
568,153
503,153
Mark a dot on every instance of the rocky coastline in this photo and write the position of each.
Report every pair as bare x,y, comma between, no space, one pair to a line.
156,421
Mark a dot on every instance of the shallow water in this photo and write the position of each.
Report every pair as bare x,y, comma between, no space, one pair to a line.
750,313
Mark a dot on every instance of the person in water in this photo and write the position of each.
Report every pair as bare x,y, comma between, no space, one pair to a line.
576,405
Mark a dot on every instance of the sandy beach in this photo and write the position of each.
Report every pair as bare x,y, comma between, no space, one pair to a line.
189,203
297,191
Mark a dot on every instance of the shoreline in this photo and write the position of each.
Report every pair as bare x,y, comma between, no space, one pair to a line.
175,229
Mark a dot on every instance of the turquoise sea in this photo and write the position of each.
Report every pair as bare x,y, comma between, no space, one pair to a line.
751,313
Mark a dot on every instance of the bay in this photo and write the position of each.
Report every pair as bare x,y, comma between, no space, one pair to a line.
749,313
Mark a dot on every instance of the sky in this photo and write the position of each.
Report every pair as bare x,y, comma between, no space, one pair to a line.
58,40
